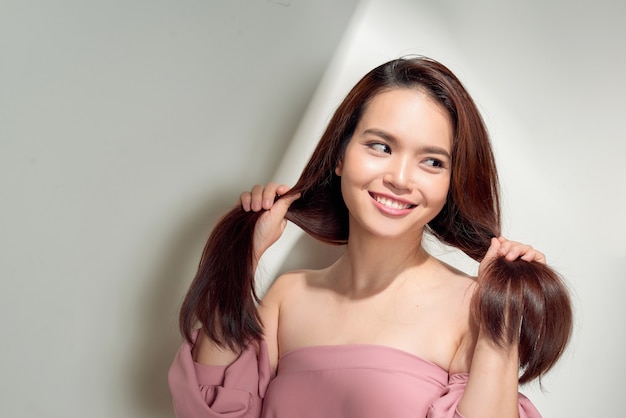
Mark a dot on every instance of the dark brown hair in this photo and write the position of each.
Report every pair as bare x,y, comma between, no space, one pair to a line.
511,296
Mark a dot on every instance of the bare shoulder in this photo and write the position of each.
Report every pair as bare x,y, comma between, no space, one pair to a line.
457,283
287,284
285,287
460,289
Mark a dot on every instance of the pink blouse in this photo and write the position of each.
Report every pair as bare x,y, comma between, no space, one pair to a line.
364,381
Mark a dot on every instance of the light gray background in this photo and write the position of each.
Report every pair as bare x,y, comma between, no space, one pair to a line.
128,127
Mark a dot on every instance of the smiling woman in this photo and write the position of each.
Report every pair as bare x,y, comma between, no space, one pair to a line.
400,154
388,329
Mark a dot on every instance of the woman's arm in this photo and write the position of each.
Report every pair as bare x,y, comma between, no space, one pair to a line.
206,351
210,391
492,387
268,229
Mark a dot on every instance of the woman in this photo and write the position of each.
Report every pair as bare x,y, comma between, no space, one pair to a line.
386,330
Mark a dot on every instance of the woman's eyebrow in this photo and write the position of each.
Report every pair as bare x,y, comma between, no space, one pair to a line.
384,135
436,150
426,149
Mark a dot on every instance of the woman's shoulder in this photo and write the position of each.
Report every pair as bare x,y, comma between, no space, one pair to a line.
452,278
293,281
459,288
290,286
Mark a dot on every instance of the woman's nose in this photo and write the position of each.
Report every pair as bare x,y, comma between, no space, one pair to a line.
399,174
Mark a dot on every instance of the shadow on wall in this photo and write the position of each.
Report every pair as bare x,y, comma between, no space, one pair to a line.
159,308
309,253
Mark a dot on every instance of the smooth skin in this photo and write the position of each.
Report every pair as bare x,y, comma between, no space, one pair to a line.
386,289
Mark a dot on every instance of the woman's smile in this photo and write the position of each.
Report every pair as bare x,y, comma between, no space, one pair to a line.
392,206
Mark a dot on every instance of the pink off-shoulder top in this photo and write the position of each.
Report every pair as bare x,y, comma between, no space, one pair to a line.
343,381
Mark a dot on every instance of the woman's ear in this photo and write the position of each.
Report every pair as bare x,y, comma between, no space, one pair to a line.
339,167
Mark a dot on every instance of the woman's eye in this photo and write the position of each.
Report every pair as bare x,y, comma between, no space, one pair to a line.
433,162
380,148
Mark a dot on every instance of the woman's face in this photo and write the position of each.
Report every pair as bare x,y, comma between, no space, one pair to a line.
395,172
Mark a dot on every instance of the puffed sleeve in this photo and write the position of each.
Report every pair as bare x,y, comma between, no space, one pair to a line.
446,405
237,390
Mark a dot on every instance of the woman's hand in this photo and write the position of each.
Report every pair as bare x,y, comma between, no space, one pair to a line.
272,223
511,250
492,389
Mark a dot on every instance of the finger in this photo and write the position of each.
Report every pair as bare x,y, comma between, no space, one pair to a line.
269,195
283,203
505,245
514,250
271,192
534,255
282,189
490,255
492,251
245,199
511,250
256,197
291,198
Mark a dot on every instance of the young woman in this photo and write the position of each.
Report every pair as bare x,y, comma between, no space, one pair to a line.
387,330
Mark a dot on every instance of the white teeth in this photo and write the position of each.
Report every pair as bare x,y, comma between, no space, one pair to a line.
392,204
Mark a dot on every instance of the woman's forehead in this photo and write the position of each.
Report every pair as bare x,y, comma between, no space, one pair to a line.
407,114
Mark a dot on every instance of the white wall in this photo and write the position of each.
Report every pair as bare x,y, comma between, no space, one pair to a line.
126,128
549,78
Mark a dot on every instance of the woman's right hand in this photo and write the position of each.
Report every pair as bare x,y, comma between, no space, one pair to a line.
272,223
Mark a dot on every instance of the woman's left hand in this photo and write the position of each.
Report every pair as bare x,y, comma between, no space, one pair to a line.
511,250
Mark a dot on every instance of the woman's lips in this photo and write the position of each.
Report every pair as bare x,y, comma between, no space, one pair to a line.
392,205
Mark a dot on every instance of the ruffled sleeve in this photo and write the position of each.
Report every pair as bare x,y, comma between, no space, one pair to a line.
234,391
446,405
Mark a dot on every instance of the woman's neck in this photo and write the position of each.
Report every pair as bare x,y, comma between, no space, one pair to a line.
372,264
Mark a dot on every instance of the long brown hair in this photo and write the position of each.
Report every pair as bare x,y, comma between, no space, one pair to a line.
515,302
